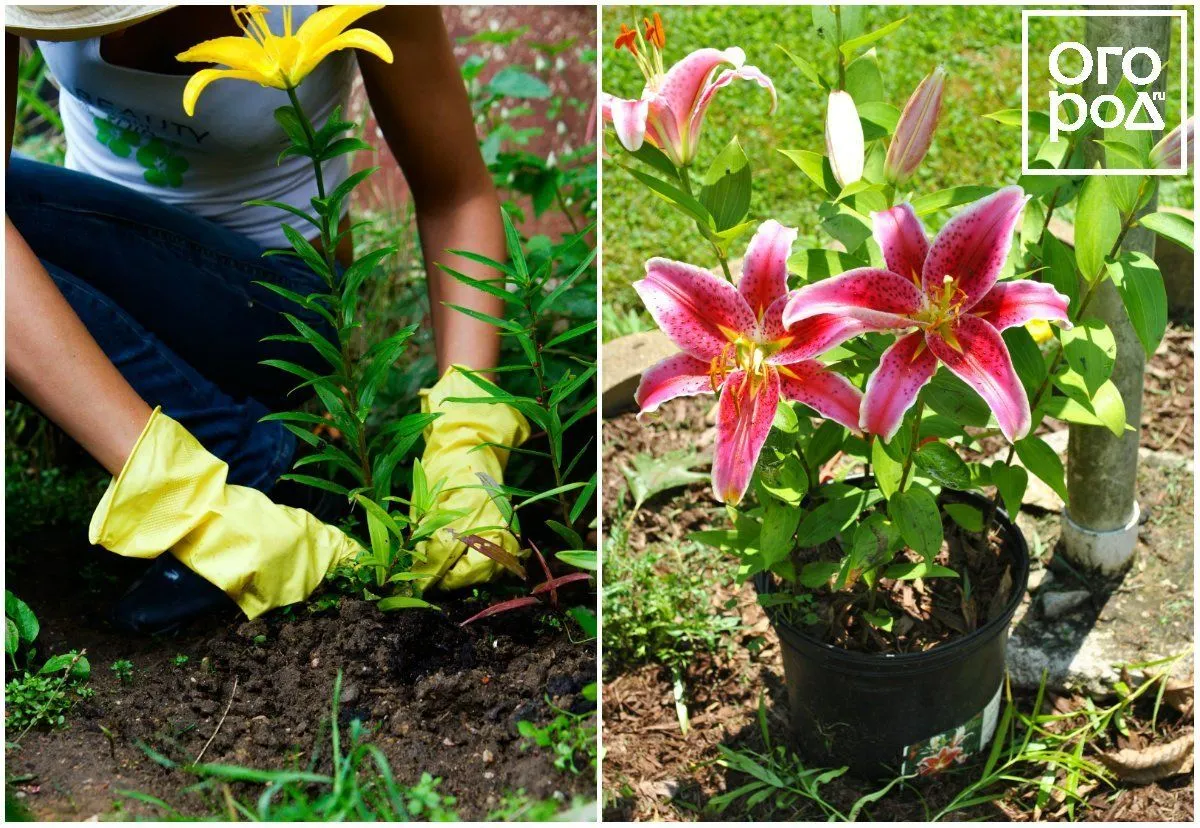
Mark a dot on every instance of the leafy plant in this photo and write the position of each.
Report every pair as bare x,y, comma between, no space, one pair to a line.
123,670
544,593
45,697
570,736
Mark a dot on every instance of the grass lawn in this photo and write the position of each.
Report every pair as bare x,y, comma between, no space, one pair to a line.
980,47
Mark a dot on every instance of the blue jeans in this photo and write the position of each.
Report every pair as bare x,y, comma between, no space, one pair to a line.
170,298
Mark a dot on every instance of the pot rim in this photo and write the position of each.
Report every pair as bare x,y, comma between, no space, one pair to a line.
1014,540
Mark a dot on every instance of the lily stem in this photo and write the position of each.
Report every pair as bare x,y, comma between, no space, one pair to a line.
328,248
685,178
914,441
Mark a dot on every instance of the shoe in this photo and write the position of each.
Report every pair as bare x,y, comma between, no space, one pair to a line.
165,598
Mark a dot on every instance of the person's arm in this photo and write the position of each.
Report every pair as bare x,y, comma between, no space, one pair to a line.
49,356
421,106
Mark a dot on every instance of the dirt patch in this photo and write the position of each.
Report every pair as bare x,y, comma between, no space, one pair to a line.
435,698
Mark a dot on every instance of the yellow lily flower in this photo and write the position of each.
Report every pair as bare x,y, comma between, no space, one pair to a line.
279,61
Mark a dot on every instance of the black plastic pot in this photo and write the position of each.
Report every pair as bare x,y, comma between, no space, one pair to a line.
911,712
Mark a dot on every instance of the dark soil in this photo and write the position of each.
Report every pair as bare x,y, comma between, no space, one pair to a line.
653,772
436,698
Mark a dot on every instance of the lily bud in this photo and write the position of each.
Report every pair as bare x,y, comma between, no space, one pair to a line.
914,130
844,138
1168,152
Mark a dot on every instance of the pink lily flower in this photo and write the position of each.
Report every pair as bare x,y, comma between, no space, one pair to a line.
670,112
733,341
948,291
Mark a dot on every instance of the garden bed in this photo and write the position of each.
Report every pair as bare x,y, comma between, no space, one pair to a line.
435,698
654,772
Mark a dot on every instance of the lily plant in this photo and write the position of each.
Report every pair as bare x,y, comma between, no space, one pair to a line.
862,383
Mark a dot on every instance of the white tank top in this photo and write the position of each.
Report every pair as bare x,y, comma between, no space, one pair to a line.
128,126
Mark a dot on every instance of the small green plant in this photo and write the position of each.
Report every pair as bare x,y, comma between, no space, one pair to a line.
658,609
571,736
123,669
180,660
46,697
427,804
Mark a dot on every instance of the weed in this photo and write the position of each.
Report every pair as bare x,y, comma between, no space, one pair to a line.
180,660
518,806
570,736
658,607
46,697
123,669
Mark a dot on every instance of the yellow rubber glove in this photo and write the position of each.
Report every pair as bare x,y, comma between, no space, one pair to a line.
452,455
172,494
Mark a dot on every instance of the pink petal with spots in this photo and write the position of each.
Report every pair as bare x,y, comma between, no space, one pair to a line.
901,237
829,394
700,312
1009,304
743,423
676,376
684,82
628,119
904,369
764,269
982,361
879,298
809,337
750,73
971,247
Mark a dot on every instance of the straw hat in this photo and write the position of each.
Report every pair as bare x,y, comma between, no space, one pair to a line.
74,22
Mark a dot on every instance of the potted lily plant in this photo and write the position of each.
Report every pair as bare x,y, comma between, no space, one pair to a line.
874,392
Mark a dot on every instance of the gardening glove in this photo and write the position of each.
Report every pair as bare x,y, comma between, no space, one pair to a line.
172,494
454,455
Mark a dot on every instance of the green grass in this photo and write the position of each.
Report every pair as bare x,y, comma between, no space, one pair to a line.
980,47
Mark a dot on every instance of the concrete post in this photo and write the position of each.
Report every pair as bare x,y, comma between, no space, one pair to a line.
1100,526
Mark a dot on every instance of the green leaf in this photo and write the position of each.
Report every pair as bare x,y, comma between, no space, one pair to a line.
948,395
22,616
887,471
316,483
1011,481
864,82
951,197
1038,121
725,188
1106,404
818,574
855,43
676,197
874,544
830,517
916,515
779,525
943,466
806,68
879,618
651,475
816,167
1040,459
514,82
1091,351
1140,283
848,226
1060,269
968,517
1027,358
1097,225
656,159
1172,226
12,638
405,602
581,558
815,265
879,119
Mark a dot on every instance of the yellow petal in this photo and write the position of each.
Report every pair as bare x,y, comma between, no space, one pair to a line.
353,39
234,52
199,81
329,22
